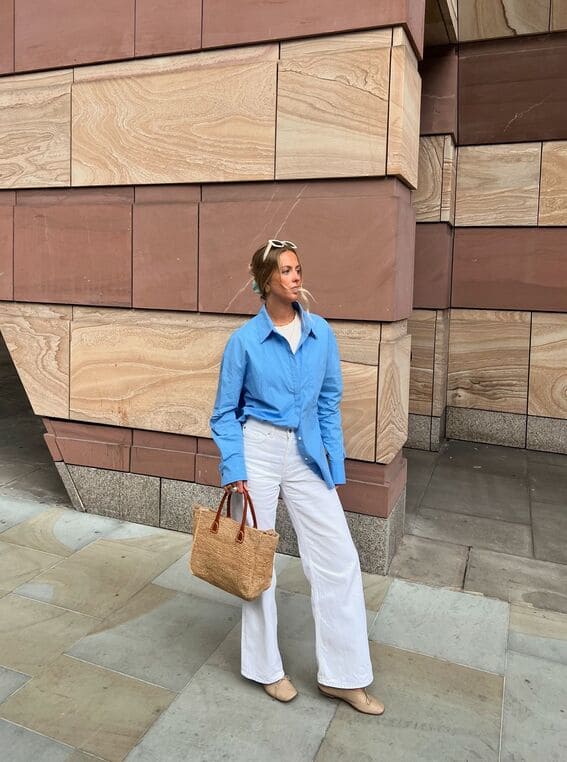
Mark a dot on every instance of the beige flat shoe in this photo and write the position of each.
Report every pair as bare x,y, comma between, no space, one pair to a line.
358,698
281,690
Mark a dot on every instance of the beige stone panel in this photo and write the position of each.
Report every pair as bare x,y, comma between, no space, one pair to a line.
421,327
498,184
358,342
337,43
332,114
403,119
485,19
427,197
548,365
358,410
449,182
558,15
488,360
35,120
553,191
39,347
392,331
29,310
393,398
159,376
93,316
178,63
440,367
204,124
449,11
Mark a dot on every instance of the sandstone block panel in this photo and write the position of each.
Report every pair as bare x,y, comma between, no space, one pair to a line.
484,19
558,15
51,33
155,371
73,254
165,256
393,395
553,192
37,337
341,228
498,185
488,360
548,366
513,90
403,117
189,120
421,327
427,196
35,114
167,26
433,264
234,22
510,268
332,114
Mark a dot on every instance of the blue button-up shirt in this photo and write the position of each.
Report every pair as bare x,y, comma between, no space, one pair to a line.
262,378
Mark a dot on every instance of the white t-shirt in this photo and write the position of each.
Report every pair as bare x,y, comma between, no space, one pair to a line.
291,332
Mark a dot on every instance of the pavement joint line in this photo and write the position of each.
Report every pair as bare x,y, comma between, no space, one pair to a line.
440,658
56,606
37,732
117,671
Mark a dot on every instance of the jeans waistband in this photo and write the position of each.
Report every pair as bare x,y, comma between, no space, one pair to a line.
254,423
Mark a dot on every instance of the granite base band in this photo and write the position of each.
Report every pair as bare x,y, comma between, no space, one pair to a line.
426,432
168,503
507,429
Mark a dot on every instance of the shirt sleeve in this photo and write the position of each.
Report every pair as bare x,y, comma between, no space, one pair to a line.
225,426
329,413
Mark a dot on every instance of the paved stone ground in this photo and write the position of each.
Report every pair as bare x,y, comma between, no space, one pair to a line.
110,650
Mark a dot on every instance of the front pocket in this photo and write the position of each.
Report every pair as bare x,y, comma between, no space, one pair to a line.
255,434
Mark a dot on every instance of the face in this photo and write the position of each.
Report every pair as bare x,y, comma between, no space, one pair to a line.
284,285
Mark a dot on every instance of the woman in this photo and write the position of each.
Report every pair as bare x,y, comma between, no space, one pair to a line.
277,424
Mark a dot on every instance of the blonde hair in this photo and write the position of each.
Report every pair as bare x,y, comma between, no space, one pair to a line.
262,270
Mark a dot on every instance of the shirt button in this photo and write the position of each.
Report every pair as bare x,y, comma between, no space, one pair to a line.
299,438
306,458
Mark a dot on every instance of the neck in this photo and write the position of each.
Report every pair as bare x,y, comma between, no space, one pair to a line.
280,312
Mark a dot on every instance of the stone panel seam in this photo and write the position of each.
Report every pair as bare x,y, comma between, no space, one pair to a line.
539,182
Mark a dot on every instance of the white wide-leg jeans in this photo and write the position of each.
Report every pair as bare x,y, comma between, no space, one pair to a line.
329,557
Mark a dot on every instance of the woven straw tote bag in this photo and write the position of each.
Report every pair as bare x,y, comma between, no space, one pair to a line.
237,558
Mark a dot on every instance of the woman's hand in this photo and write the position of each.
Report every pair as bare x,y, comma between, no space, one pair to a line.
236,486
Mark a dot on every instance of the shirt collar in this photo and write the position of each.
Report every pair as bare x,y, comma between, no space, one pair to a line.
266,325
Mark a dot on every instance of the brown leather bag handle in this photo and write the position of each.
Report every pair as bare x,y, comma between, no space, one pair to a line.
247,502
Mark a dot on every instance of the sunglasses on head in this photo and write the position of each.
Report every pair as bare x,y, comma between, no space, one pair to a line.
273,243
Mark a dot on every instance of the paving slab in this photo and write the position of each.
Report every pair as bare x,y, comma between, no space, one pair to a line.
430,562
13,470
476,493
484,458
473,531
32,634
97,579
10,681
420,469
434,711
13,512
534,725
160,636
548,483
537,632
518,580
90,708
43,484
220,715
23,745
60,531
464,629
549,522
18,564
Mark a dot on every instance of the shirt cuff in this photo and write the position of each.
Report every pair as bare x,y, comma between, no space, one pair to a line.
235,471
337,468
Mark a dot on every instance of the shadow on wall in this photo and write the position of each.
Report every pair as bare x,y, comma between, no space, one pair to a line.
27,471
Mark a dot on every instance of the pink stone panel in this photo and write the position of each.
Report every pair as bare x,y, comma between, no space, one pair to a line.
73,254
6,36
342,229
165,256
93,432
167,26
236,22
433,262
53,33
439,74
169,464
